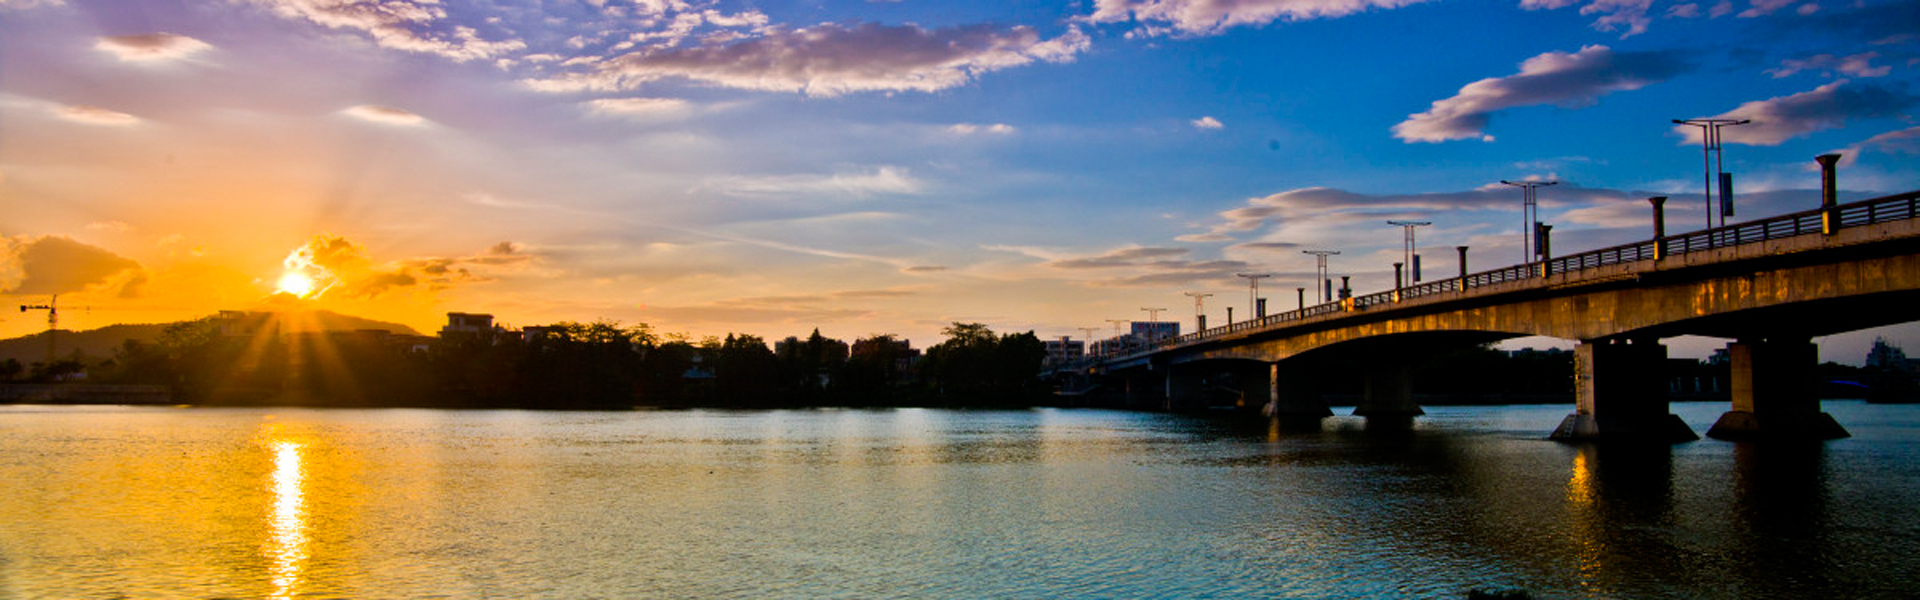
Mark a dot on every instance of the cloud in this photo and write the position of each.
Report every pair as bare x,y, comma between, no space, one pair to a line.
414,26
1208,123
638,107
1319,214
60,265
1124,257
385,115
151,47
1776,120
1902,141
1148,266
1763,8
1858,65
1557,78
887,180
926,269
970,129
94,115
831,59
340,268
26,4
1277,246
1614,14
1205,17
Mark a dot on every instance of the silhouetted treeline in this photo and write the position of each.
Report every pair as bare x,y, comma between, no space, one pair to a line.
575,366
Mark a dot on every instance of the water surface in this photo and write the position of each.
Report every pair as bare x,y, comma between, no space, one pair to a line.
106,502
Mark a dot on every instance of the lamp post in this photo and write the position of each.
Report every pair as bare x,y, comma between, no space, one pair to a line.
1529,214
1253,293
1320,280
1715,162
1153,324
1412,265
1199,311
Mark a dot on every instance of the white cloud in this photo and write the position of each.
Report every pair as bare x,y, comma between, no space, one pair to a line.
883,180
1776,120
1557,78
151,47
94,115
970,129
1208,123
411,25
832,59
1614,14
1902,141
1858,65
1199,17
385,115
639,107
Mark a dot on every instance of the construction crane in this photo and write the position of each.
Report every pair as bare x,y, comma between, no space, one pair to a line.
53,324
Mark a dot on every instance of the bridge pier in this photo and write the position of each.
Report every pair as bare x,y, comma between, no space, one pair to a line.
1776,393
1389,390
1620,392
1286,391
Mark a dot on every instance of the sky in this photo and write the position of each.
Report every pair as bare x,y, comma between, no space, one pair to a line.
868,167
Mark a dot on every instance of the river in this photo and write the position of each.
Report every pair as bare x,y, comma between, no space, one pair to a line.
113,502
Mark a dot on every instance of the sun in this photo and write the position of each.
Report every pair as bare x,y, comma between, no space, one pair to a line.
296,283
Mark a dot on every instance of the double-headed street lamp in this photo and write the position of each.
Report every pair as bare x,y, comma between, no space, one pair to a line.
1715,163
1529,213
1411,260
1322,286
1199,311
1253,293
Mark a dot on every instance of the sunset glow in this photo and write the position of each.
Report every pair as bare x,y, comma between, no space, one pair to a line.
296,284
718,166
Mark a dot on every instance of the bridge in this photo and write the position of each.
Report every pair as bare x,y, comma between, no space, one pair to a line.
1770,285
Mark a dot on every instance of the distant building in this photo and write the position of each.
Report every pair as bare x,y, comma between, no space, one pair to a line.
1154,331
1889,357
471,326
1065,350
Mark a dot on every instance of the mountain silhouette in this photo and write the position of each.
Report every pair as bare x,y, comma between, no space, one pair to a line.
100,343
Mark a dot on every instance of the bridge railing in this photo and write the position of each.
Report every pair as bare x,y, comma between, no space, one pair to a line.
1884,209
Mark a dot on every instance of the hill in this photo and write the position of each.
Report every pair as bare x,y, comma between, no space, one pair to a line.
100,343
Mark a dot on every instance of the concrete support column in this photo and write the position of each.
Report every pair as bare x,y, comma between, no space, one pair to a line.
1620,392
1146,389
1292,393
1389,391
1183,389
1776,393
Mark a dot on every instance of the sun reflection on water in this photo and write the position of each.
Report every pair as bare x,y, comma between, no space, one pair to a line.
287,544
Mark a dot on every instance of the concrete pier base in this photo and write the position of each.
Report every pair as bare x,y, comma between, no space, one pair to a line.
1291,394
1620,393
1389,392
1775,393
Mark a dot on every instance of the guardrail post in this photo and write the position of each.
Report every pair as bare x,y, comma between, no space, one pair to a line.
1829,195
1463,267
1543,238
1659,226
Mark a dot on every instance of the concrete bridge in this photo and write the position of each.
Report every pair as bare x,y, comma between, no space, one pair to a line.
1770,285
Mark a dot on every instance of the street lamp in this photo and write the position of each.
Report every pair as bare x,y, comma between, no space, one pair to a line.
1253,293
1529,213
1715,161
1320,275
1153,324
1412,265
1199,311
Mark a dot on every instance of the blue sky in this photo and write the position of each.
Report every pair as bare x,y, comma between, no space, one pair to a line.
887,167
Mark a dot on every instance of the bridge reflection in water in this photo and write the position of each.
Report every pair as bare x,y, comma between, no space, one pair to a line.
1770,286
